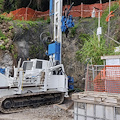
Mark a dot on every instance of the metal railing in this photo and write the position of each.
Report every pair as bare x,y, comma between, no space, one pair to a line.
102,78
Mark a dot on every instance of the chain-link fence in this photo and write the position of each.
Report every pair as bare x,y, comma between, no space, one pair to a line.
102,78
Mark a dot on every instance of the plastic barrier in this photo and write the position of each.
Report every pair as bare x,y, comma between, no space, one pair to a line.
23,14
108,17
103,78
83,10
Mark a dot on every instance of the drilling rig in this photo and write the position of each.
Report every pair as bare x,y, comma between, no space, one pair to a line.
37,82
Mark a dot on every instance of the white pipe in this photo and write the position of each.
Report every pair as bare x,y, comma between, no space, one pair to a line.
57,66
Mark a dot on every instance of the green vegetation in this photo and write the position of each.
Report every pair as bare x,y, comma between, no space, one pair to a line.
83,38
34,50
2,36
90,48
73,30
11,47
48,20
94,50
2,17
25,24
32,23
15,55
2,47
41,19
1,4
6,41
48,33
11,27
20,25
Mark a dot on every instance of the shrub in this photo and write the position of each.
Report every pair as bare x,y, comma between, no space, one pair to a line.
94,50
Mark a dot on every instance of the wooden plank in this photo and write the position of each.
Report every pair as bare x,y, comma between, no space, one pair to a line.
64,107
70,105
60,106
86,80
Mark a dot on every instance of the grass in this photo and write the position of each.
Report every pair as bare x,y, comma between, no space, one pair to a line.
73,30
2,17
2,36
26,25
94,50
1,4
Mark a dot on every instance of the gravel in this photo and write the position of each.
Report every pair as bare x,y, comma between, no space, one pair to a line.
50,112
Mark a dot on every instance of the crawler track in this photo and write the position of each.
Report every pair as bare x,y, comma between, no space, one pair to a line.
16,103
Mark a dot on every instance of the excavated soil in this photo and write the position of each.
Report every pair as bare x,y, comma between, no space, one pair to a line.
50,112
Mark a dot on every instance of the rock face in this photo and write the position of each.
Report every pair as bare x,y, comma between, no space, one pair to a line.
73,67
71,45
7,31
6,60
27,40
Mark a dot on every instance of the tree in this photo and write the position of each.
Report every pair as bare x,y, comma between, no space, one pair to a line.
39,2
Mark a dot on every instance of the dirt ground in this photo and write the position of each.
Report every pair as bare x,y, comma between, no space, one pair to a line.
50,112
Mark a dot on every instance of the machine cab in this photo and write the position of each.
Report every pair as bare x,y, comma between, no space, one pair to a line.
34,66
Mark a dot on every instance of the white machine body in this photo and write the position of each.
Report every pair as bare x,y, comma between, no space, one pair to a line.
34,76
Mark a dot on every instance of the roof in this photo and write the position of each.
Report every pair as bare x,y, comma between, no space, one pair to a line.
110,57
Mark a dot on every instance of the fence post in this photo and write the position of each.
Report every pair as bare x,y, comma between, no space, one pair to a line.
81,10
93,72
26,14
86,80
119,4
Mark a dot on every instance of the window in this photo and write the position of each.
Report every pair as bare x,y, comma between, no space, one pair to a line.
27,66
39,65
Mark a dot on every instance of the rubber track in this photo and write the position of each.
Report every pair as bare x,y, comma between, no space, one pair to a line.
13,110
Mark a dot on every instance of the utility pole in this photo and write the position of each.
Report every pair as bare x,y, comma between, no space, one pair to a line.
99,24
109,23
99,29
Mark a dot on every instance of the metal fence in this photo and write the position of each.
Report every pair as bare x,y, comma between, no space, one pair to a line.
102,78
